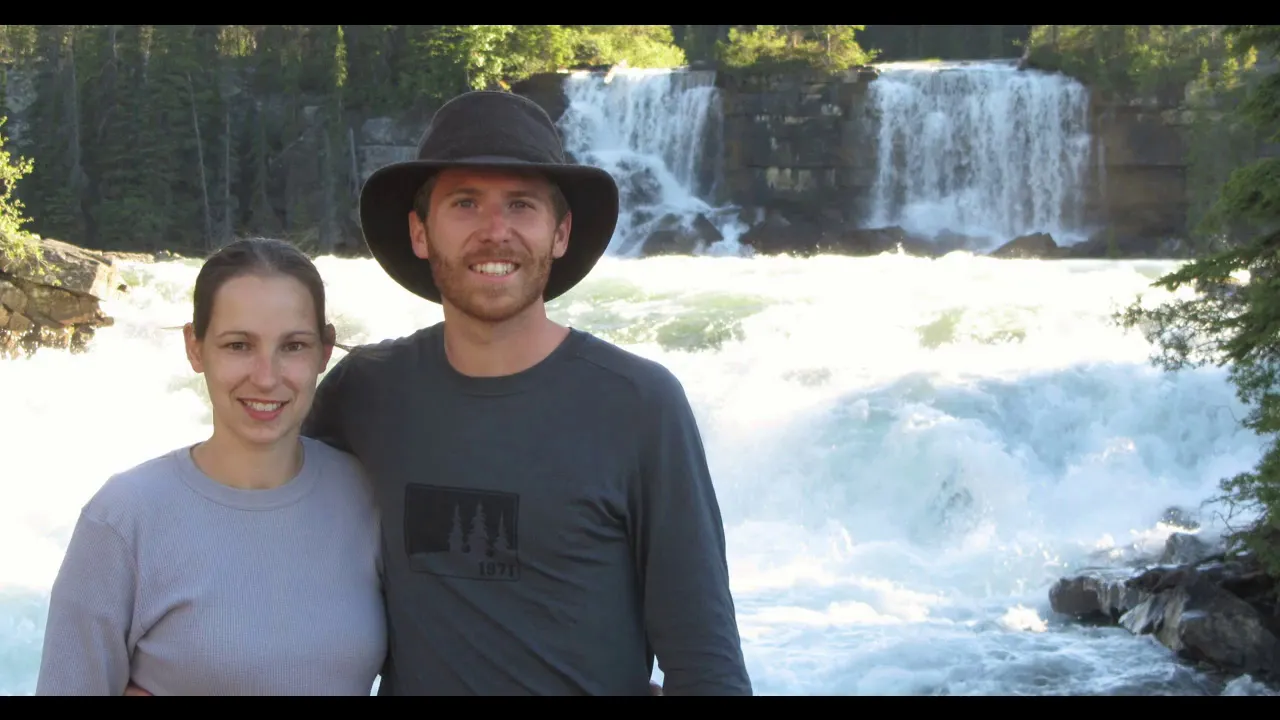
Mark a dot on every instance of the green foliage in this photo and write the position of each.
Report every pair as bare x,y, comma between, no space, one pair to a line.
530,49
1231,317
16,243
640,46
892,42
1217,141
1128,58
698,41
952,42
17,43
778,48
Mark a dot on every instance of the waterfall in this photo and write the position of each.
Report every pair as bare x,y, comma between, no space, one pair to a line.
979,149
658,133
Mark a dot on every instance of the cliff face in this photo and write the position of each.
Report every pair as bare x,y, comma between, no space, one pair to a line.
797,144
801,147
1141,191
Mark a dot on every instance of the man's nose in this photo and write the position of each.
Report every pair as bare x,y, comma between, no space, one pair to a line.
497,226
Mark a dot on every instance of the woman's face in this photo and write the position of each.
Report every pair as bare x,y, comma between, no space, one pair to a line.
260,357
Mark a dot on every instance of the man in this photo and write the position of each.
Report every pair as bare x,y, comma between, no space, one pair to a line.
549,520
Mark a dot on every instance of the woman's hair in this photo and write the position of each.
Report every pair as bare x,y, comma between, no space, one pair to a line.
254,256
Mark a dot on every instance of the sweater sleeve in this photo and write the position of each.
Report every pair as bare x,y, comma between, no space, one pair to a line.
91,609
689,608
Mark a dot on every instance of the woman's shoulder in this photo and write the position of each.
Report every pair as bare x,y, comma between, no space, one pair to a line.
338,465
330,457
131,493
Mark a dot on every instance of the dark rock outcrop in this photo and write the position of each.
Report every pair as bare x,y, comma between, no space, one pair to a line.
1096,595
1037,245
1193,614
546,89
671,236
779,234
1202,605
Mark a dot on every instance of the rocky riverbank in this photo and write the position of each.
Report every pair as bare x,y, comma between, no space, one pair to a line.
56,303
777,234
1213,609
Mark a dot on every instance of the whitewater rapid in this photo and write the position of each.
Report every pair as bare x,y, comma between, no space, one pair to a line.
907,452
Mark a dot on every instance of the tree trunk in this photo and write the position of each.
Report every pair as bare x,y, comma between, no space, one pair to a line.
204,185
227,227
110,80
355,165
77,179
327,231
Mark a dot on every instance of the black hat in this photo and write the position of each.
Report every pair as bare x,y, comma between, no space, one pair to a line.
488,129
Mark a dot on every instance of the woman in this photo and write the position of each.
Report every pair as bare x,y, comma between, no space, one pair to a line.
249,563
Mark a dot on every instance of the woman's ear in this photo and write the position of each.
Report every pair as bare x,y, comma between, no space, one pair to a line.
330,337
193,348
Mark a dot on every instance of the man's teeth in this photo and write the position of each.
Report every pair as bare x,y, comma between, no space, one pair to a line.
263,407
495,268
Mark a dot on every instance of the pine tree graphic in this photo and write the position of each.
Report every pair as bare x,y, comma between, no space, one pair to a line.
501,547
456,542
478,539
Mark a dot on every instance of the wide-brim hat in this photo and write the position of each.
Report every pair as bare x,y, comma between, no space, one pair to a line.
492,130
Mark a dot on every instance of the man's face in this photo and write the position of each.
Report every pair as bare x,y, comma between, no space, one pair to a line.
490,238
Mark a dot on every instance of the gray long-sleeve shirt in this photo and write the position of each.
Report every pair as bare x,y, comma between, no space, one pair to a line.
546,532
191,587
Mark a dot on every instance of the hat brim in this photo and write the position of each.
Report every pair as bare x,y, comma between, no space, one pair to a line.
387,198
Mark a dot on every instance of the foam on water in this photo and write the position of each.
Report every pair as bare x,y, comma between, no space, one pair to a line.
907,452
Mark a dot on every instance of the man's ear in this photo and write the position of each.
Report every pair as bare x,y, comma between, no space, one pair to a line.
561,242
418,235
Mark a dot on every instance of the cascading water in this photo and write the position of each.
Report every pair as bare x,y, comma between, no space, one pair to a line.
899,486
655,131
979,149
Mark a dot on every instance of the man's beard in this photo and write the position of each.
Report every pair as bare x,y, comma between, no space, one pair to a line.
495,304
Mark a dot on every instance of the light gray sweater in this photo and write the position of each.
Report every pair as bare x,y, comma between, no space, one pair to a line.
190,587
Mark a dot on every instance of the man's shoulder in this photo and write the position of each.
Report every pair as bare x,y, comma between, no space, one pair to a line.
390,351
652,381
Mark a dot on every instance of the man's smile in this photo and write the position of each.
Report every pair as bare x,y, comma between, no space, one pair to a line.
495,268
